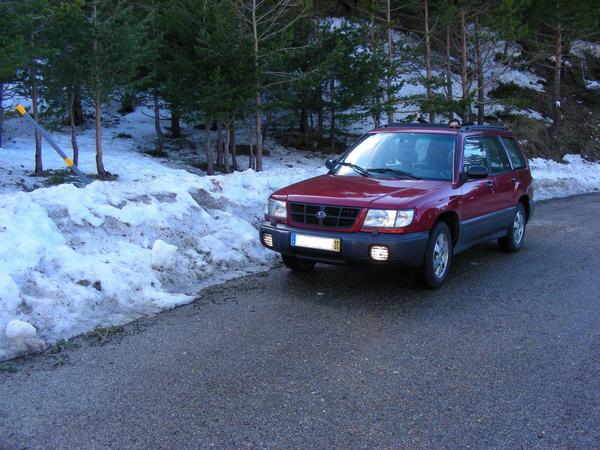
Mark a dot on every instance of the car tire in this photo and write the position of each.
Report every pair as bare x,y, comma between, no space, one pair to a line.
438,257
297,265
513,241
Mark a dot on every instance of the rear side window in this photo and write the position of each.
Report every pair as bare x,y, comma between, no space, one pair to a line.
516,157
474,154
496,155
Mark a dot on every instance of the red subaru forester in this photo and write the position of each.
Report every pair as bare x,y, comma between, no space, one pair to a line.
406,194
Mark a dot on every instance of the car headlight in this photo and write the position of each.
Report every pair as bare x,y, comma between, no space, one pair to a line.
389,218
276,208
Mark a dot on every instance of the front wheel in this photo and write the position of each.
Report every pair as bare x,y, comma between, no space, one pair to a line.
297,265
513,241
438,257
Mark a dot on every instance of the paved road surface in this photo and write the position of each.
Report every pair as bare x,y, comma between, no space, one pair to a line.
507,355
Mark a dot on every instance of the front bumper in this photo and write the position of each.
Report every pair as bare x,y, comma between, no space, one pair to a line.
404,249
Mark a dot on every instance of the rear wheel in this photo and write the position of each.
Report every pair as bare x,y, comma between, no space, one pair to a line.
297,265
438,257
513,241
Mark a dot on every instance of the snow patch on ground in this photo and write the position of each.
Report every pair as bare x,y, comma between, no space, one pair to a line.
592,84
574,176
72,259
495,108
580,48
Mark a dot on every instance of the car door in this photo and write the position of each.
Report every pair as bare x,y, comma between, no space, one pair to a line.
502,175
478,197
521,176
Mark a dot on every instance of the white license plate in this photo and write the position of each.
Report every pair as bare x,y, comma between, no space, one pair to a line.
315,242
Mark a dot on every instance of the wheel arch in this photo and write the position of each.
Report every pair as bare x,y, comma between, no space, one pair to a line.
524,200
450,218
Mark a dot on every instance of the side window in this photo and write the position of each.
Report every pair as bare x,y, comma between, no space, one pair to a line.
514,153
496,155
474,154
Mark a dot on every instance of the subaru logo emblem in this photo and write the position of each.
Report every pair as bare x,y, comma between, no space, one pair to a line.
321,215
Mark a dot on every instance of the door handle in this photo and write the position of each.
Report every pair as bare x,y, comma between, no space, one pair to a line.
515,180
490,184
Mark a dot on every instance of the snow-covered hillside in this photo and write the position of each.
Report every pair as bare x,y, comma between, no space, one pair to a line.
72,259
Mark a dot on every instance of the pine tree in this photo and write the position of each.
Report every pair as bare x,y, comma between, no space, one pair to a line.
12,53
31,23
268,24
153,72
63,71
115,48
209,53
562,22
348,79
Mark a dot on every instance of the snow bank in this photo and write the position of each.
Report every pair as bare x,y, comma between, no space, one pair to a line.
72,259
575,176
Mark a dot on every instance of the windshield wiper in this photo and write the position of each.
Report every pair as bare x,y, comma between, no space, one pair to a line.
357,169
397,173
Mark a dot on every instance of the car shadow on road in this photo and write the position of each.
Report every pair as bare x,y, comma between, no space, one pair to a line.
370,287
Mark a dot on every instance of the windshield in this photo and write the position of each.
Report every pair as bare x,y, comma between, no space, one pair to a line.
427,156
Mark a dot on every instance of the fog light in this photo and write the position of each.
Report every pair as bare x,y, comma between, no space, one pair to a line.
268,239
380,253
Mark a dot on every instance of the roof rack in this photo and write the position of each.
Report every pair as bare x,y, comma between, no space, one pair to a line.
483,127
414,125
468,127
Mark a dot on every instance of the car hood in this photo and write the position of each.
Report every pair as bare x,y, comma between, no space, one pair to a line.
359,191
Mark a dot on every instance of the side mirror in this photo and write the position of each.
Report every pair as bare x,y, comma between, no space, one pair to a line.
330,162
477,172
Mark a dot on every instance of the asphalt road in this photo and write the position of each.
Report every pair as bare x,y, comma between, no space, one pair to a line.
506,355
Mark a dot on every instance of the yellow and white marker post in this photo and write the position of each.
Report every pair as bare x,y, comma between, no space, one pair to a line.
82,176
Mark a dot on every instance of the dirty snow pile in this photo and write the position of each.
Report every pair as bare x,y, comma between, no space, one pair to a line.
575,176
72,259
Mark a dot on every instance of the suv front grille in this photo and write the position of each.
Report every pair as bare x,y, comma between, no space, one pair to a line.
335,216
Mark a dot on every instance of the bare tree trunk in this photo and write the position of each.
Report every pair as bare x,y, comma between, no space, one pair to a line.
480,79
219,161
448,73
77,110
304,128
38,137
210,164
250,135
74,143
428,60
98,122
557,81
175,126
320,114
464,74
1,112
160,140
266,125
259,144
98,119
225,161
332,116
232,146
388,81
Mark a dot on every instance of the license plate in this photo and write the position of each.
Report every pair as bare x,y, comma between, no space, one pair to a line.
315,242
